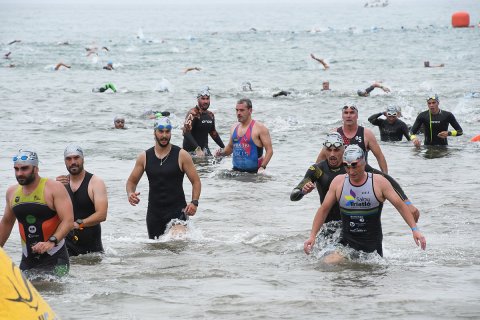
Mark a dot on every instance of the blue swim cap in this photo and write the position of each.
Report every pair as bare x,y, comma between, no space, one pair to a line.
110,62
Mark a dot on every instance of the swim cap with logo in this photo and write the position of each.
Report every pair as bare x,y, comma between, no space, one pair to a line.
26,157
333,139
204,92
162,123
391,110
352,153
433,96
73,150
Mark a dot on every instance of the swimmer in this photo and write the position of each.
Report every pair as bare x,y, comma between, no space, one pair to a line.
325,86
246,86
105,88
61,64
191,69
426,64
366,92
7,55
14,41
391,128
281,93
109,66
119,122
324,64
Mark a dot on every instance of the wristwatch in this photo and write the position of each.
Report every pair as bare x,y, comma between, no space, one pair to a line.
80,223
195,203
53,239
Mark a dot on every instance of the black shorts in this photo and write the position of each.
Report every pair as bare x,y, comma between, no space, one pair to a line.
57,264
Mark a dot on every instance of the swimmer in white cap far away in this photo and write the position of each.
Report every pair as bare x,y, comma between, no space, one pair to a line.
119,122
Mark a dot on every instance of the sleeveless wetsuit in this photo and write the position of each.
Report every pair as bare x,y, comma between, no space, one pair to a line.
390,131
361,212
358,139
247,156
37,222
89,239
435,123
198,125
166,198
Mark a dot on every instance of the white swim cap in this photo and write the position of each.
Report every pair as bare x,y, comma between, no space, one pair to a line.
333,139
162,123
391,111
433,96
204,92
26,157
352,153
73,150
118,118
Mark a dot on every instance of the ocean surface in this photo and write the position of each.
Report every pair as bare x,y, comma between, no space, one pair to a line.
243,256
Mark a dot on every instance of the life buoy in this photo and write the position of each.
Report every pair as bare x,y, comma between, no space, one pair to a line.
460,19
476,138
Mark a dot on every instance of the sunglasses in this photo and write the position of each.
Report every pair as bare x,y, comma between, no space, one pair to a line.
351,165
163,127
351,107
391,114
336,145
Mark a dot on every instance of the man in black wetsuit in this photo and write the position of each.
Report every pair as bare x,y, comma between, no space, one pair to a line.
435,122
166,165
90,204
322,173
391,129
360,196
199,123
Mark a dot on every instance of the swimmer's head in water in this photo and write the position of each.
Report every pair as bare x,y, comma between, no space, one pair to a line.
334,139
162,124
110,62
362,93
433,96
353,153
73,150
119,122
26,157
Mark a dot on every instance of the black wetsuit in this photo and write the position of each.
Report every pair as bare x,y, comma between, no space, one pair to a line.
89,239
322,175
390,131
196,128
166,197
434,124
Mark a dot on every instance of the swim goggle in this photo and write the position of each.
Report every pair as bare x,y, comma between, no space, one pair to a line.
21,158
351,164
391,114
163,127
119,121
351,107
433,97
336,145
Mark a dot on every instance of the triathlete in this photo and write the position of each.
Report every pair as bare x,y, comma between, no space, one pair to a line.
391,129
107,86
435,122
199,123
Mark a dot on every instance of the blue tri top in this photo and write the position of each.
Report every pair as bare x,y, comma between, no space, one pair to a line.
247,156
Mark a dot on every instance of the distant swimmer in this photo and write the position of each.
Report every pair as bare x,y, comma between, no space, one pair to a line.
352,133
14,41
61,64
248,139
246,86
107,86
7,55
281,93
360,196
44,213
109,66
152,114
119,122
391,129
191,69
321,174
166,165
366,92
435,123
427,64
324,64
199,124
105,48
325,86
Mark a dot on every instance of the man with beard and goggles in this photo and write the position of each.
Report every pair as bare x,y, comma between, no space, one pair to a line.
166,165
44,213
199,123
322,173
90,204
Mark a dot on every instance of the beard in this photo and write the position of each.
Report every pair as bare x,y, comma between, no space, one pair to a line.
27,179
75,169
164,140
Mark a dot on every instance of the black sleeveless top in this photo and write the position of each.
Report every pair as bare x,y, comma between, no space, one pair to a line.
89,239
165,180
358,139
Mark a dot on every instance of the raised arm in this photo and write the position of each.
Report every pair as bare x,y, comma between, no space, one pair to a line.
373,119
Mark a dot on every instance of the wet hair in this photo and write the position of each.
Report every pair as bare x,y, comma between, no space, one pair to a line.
245,101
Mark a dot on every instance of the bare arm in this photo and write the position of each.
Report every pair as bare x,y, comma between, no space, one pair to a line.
98,194
134,178
8,219
372,144
187,166
229,148
266,141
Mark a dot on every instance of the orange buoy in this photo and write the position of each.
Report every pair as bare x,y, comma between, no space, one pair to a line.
460,19
476,138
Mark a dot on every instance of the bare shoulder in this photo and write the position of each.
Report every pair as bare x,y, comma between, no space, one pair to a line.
54,185
379,179
96,180
337,181
11,190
